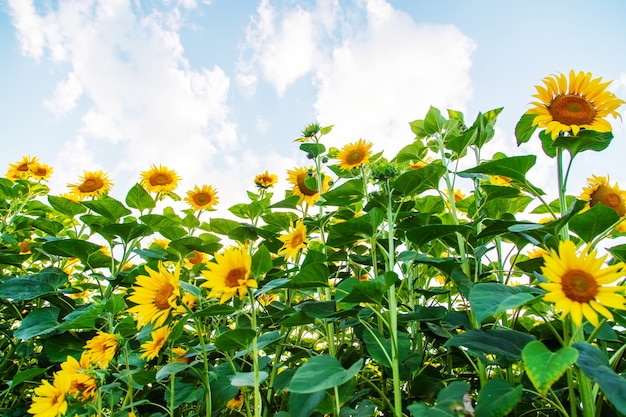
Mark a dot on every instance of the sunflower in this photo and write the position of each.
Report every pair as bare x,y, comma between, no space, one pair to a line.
155,294
101,349
293,241
40,171
152,347
203,198
236,402
229,274
354,154
265,180
577,283
569,105
421,163
50,400
21,169
159,179
91,184
195,258
179,355
599,190
83,383
298,176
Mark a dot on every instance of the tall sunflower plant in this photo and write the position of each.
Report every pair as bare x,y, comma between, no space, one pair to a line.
404,286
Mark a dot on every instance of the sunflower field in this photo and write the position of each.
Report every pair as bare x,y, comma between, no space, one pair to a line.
397,287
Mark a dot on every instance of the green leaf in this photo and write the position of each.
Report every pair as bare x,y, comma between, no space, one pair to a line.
434,121
593,222
108,207
13,259
595,365
544,367
26,375
320,373
379,347
313,149
524,129
415,151
497,398
68,207
48,281
126,231
586,140
449,402
235,339
303,405
168,227
369,291
138,198
223,226
170,369
427,233
311,276
246,379
503,342
81,319
38,323
490,299
345,194
261,262
419,180
514,167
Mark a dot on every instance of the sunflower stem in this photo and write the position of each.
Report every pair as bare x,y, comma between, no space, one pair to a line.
258,406
562,183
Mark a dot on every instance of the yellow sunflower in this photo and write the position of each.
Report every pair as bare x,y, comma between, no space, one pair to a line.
599,190
50,400
293,241
155,294
297,177
178,355
152,347
91,184
577,283
195,258
265,180
229,274
159,179
21,169
203,198
40,171
574,103
354,154
236,402
421,163
83,385
101,349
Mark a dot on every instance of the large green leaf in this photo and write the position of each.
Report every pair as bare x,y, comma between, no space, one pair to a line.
311,276
497,398
48,281
68,207
368,291
38,323
320,373
380,347
593,222
524,128
490,299
235,339
545,367
586,140
419,180
501,342
434,121
108,207
514,167
345,194
138,198
450,402
126,231
425,234
595,365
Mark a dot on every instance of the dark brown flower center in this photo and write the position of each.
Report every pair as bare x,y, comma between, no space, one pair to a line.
296,240
90,185
303,188
202,199
610,198
571,109
160,179
354,157
23,167
579,286
196,258
161,299
234,276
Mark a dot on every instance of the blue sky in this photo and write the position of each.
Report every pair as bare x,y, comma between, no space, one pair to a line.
217,90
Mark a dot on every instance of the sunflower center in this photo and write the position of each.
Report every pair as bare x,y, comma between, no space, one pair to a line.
571,109
296,240
302,186
354,157
161,299
610,198
202,199
23,167
579,286
160,179
234,276
196,258
90,185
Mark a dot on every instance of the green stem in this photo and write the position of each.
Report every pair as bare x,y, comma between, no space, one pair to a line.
258,405
562,183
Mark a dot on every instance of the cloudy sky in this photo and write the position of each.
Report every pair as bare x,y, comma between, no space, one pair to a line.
218,89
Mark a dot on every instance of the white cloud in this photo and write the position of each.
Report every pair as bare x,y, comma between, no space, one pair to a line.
389,74
66,94
142,96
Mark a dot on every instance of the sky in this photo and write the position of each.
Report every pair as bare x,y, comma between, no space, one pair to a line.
217,90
